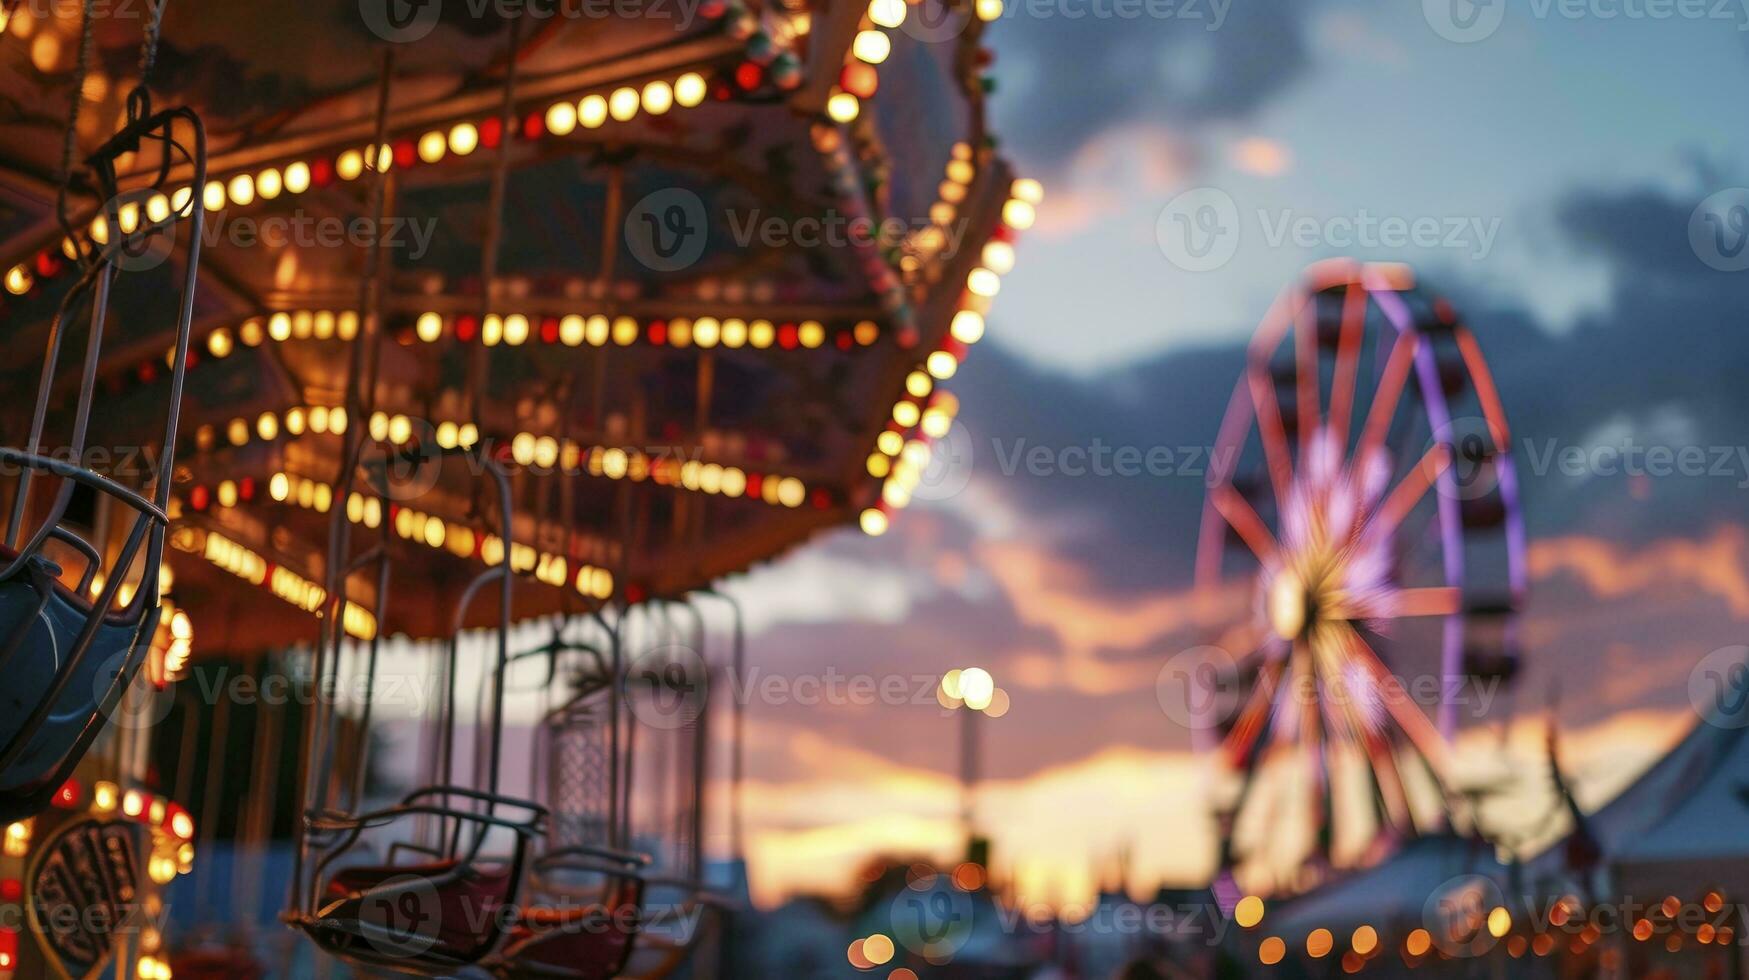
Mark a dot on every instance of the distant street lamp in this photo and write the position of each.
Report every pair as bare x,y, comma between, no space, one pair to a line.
972,692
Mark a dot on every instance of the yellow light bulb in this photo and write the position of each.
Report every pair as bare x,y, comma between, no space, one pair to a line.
872,46
843,107
689,89
463,139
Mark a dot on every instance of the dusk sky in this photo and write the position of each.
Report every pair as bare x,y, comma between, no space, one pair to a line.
1571,151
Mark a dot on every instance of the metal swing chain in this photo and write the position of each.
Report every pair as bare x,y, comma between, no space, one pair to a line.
139,106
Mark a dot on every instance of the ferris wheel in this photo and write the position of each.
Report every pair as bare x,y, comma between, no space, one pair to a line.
1362,543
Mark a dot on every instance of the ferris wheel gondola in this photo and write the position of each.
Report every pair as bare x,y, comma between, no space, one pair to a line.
1364,510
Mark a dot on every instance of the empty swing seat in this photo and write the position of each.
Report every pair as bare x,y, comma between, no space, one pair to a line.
586,942
40,624
443,911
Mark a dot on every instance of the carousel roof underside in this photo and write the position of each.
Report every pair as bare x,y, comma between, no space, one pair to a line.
735,249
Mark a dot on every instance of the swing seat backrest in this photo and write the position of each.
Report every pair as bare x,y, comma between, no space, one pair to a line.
41,622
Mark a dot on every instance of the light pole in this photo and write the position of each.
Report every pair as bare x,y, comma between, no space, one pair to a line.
971,692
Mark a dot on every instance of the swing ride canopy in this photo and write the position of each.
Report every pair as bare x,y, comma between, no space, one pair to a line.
695,273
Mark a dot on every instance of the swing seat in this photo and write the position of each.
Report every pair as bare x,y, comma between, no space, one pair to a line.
41,621
440,912
590,941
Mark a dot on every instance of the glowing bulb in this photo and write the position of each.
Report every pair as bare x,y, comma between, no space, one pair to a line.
623,104
977,688
843,107
658,97
1028,190
432,146
941,365
349,165
561,118
571,330
998,257
1271,950
872,46
967,326
689,89
297,177
887,13
874,522
983,282
592,111
429,327
463,139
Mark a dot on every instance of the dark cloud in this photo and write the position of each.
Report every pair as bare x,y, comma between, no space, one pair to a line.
1066,79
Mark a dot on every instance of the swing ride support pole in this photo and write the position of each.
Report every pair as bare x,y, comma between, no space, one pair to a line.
359,395
737,720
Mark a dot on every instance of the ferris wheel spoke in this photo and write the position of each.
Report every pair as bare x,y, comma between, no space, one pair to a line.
1347,362
1408,717
1240,744
1271,433
1406,494
1243,519
1385,397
